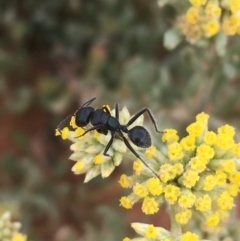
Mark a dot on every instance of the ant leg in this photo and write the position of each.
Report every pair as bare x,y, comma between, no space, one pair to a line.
90,129
141,112
136,154
88,102
107,148
61,124
116,111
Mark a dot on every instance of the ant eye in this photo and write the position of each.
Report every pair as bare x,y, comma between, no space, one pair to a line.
140,137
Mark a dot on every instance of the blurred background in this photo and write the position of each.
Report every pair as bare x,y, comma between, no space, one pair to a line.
55,55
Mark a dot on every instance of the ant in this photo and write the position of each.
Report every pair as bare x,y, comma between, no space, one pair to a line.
102,121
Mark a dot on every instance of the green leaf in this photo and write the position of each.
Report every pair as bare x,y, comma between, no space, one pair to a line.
172,38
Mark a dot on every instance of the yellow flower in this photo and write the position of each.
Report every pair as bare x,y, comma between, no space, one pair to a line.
19,237
235,178
126,202
186,200
221,178
188,236
213,219
225,201
78,167
154,186
234,5
167,172
197,164
212,10
150,152
193,15
58,132
211,28
96,134
236,149
210,138
125,181
178,168
171,193
229,26
202,117
149,205
126,239
205,152
170,135
64,133
197,3
98,159
151,232
140,190
73,122
203,203
188,143
233,189
190,178
228,166
226,130
137,166
183,217
209,182
196,129
175,151
78,132
224,141
238,30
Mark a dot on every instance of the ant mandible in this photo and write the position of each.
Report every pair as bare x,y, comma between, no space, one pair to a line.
102,121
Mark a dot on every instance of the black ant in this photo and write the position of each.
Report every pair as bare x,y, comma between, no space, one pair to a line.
102,121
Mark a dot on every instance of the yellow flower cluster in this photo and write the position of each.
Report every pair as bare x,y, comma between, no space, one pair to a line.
88,149
150,232
227,229
197,174
9,230
19,237
206,18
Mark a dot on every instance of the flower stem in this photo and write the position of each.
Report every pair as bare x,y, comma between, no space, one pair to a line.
176,229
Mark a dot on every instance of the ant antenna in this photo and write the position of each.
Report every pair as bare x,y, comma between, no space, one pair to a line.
88,102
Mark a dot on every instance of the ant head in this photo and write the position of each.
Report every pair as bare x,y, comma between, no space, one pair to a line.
140,136
83,116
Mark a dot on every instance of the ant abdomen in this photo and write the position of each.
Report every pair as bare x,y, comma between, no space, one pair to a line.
140,136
